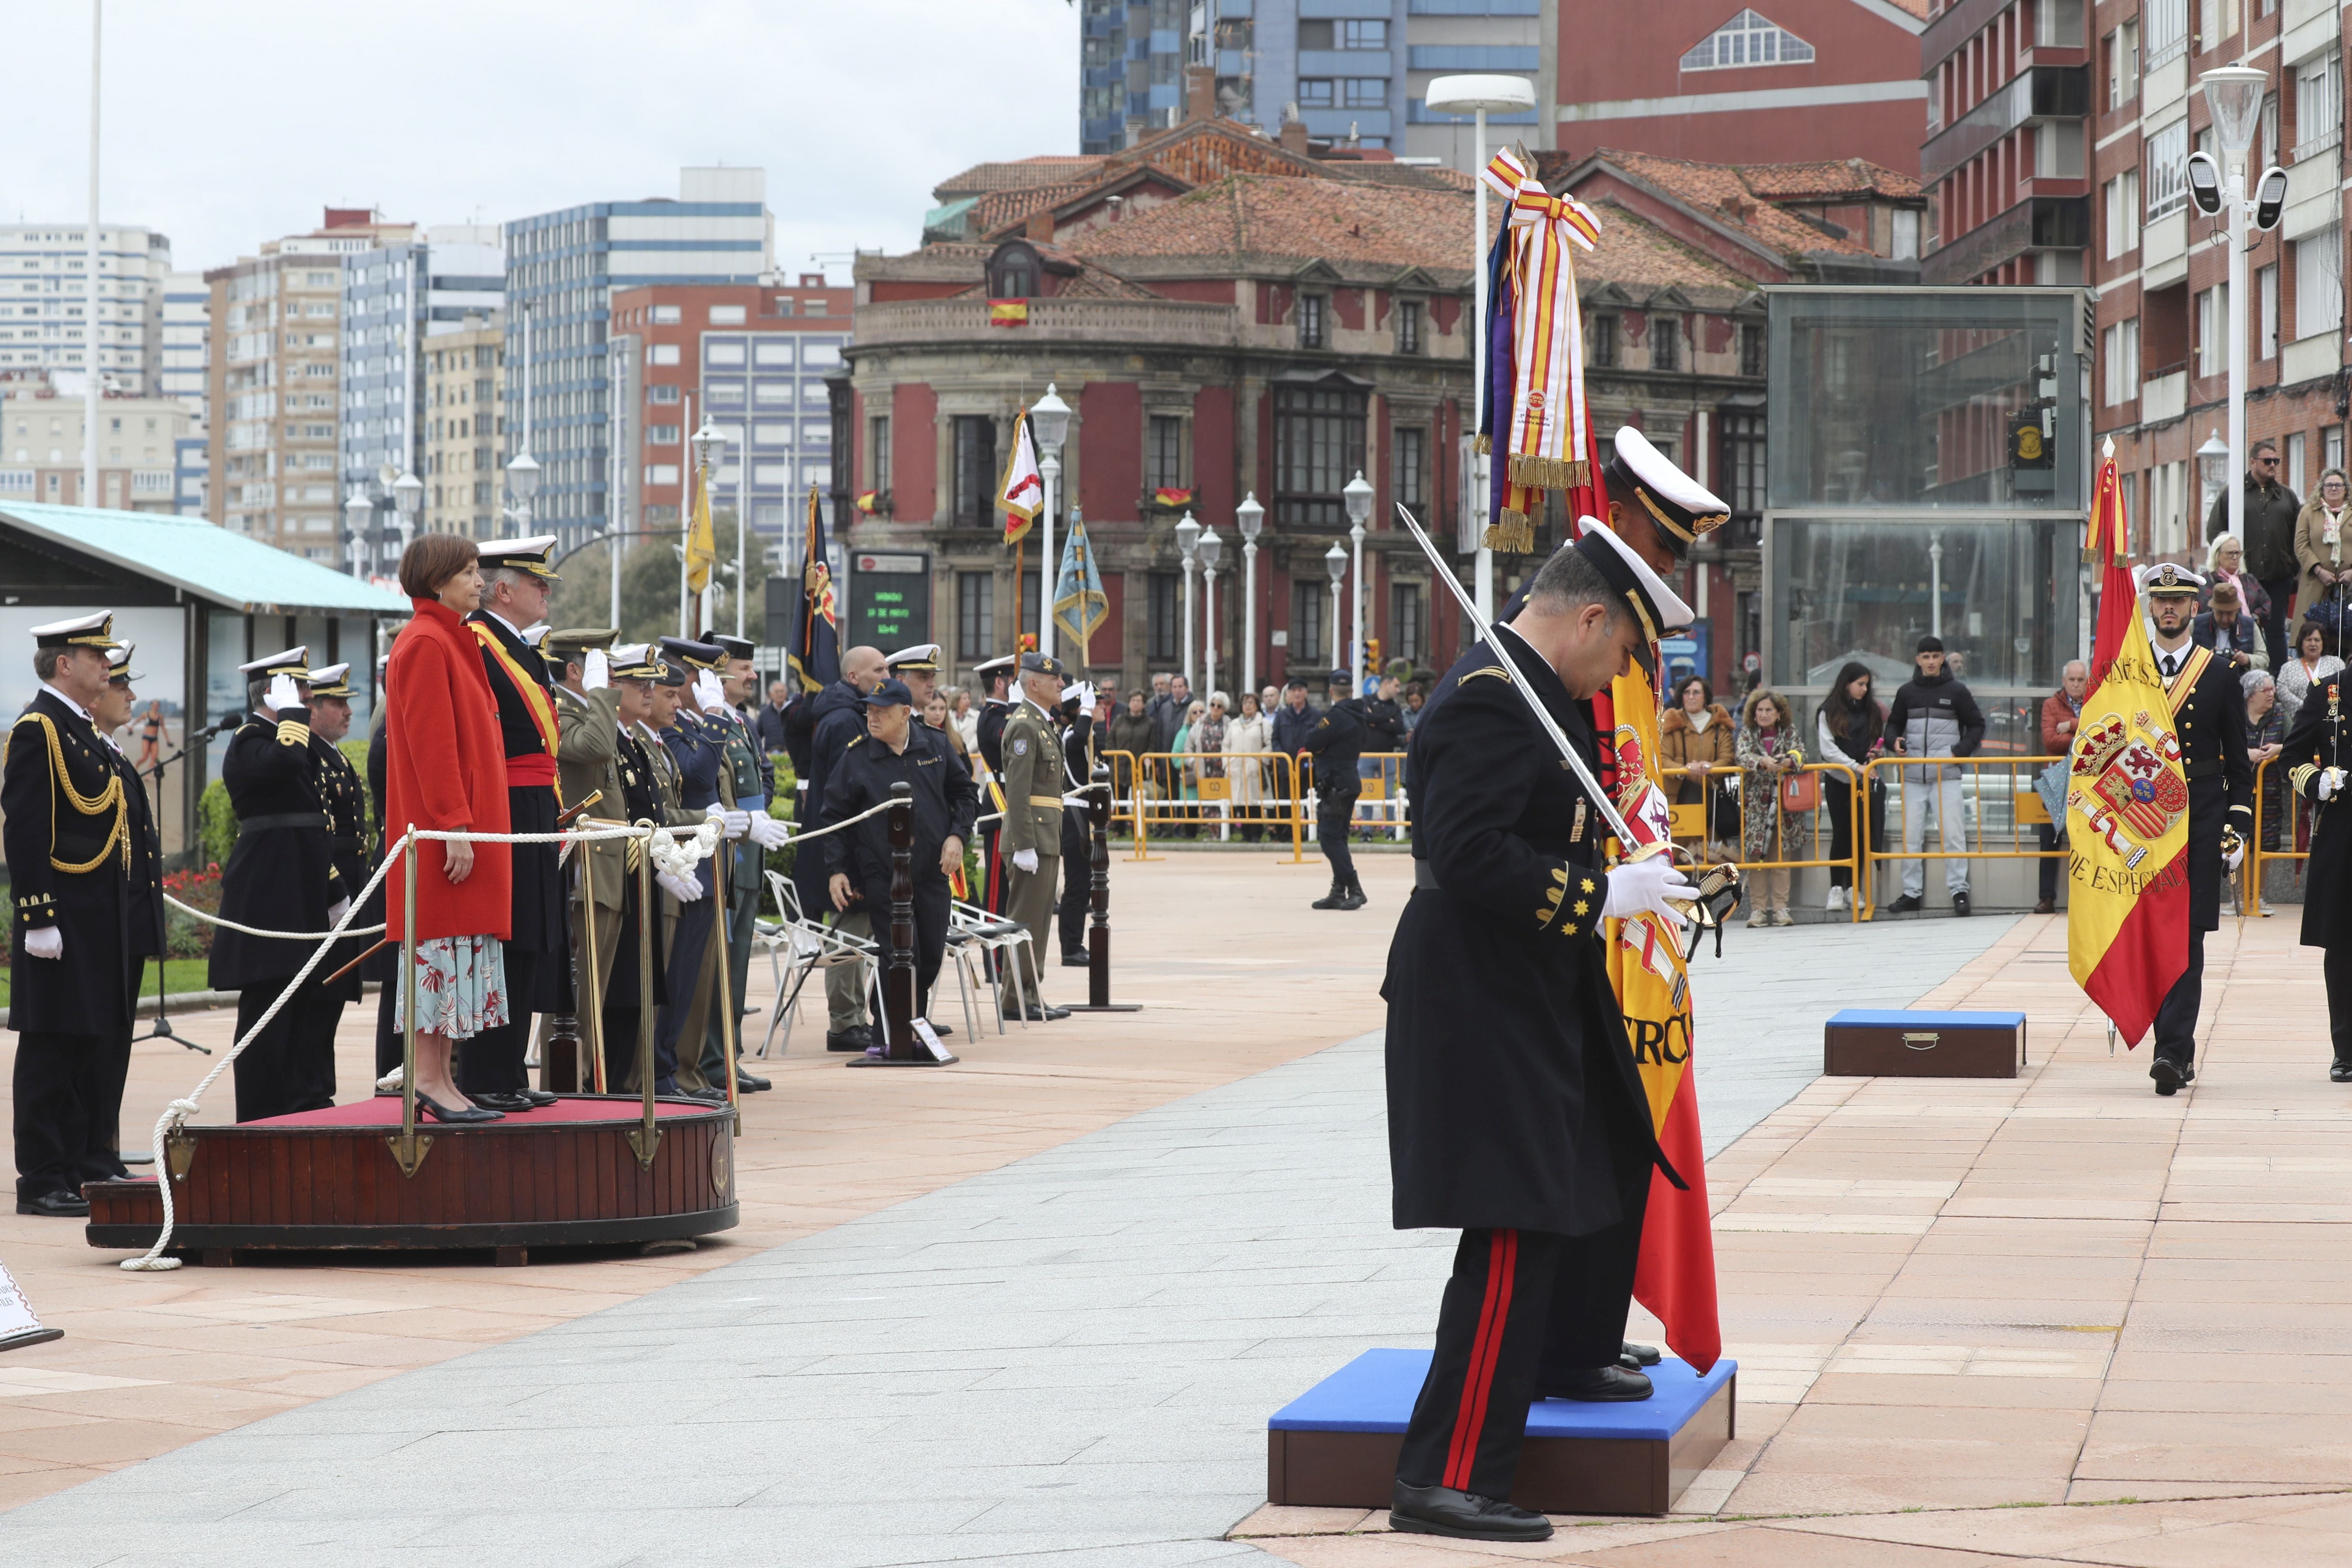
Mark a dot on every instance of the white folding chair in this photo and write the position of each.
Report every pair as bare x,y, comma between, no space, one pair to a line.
983,931
799,947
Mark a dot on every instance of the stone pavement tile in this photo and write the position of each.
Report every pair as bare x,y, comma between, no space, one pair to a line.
1866,1484
1276,1519
2090,1533
2199,1446
1953,1391
2094,1490
1785,1546
2254,1543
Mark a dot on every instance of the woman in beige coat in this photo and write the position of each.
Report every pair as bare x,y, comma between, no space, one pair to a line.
2321,543
1248,732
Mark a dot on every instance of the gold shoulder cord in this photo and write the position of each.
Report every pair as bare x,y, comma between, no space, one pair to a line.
108,799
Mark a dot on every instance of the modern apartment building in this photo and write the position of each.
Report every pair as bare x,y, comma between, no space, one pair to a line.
275,381
394,298
2161,362
44,300
2007,160
563,269
1485,38
184,373
41,446
1131,70
751,358
464,426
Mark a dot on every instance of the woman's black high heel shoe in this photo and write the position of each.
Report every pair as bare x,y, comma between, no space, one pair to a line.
440,1113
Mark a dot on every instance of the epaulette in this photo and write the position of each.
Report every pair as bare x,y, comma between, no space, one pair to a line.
1496,670
855,741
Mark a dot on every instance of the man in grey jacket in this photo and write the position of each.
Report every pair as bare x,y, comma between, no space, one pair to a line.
1934,716
2268,538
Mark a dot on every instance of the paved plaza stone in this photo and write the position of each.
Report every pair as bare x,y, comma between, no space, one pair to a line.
1053,1336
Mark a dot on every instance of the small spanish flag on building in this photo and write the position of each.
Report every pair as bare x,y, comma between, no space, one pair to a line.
869,503
1171,498
1008,313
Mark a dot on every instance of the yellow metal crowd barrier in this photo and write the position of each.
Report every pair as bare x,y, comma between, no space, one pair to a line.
2294,813
1180,788
2013,805
1689,819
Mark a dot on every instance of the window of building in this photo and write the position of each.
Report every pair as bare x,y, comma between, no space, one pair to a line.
2122,195
2266,137
2166,177
1666,342
1601,340
1317,93
1163,453
1412,466
665,315
661,434
1370,34
2298,452
722,353
661,353
1311,308
726,315
2318,106
1743,462
661,394
1318,445
2164,31
1748,39
1408,326
975,616
1309,608
2331,446
975,467
1012,277
2212,330
1405,624
878,452
772,350
2119,346
2266,342
1751,347
1364,92
1164,617
2318,284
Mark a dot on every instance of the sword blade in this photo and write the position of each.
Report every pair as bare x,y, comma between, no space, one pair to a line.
1600,797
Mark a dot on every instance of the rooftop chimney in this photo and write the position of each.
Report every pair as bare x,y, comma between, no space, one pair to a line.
1041,226
1200,92
348,217
1293,135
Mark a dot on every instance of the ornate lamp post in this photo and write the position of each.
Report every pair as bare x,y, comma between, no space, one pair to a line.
2234,94
1334,562
1211,550
1359,497
1188,540
1049,421
359,513
408,496
1249,517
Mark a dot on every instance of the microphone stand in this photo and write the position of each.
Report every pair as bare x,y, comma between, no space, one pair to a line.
163,1029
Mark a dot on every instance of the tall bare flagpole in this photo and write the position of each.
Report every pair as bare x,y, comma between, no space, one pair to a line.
92,334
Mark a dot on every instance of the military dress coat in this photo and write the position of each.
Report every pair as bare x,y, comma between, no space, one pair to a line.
589,761
146,927
342,794
519,680
1514,1101
281,873
2318,741
66,837
2210,721
1033,785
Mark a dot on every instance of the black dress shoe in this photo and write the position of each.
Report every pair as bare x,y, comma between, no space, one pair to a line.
1052,1013
59,1205
1442,1511
2044,906
1909,903
1960,904
428,1106
1033,1013
2339,1072
856,1038
539,1096
2167,1075
1643,1355
1336,899
748,1083
1076,960
1601,1385
503,1100
707,1095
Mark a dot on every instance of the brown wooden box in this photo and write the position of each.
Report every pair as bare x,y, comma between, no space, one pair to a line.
1860,1043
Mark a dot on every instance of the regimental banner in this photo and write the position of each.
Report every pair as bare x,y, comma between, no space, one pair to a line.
2127,818
1674,1278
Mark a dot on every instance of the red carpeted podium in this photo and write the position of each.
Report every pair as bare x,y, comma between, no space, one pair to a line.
568,1175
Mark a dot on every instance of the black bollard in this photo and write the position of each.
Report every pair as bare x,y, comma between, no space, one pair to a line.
902,1050
1099,902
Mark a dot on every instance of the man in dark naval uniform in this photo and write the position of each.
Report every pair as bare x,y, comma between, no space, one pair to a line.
343,795
104,1159
998,675
515,582
280,875
1515,1111
67,837
2313,756
2209,711
1337,743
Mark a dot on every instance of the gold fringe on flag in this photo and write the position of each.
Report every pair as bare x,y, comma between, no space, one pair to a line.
1511,533
1539,473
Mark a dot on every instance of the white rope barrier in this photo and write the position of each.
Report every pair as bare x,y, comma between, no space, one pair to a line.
211,918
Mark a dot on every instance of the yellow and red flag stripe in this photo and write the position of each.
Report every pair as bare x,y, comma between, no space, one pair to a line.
2108,546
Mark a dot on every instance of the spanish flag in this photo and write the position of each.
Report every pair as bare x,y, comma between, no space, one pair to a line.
2108,547
1008,313
1170,497
2128,817
1674,1276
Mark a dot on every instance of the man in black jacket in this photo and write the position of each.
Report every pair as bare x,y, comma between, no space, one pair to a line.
997,674
2268,538
1336,744
1934,716
103,1160
840,711
66,835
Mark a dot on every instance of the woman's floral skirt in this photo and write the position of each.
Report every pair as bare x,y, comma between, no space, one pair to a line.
461,988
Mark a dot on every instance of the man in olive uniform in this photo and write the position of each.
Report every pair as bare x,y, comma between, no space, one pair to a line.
1336,744
587,746
343,795
2209,711
1031,836
1516,1110
66,835
748,778
281,876
515,582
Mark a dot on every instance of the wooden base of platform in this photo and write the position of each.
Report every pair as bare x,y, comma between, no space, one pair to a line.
568,1175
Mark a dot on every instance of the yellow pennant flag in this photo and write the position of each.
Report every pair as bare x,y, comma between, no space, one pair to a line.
701,543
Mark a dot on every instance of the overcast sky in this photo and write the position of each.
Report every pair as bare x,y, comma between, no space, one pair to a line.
233,121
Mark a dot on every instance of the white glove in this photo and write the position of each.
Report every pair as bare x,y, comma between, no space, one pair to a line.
683,889
46,941
336,910
709,695
2331,783
596,671
1643,887
733,823
1024,860
2234,859
767,833
283,695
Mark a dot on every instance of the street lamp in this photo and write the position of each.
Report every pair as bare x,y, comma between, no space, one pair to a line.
523,483
407,495
2234,94
1188,540
1480,96
1359,497
2213,469
1334,562
1049,421
1211,549
1249,517
359,514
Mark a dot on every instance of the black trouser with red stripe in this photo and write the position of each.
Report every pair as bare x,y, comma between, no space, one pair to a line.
1525,1307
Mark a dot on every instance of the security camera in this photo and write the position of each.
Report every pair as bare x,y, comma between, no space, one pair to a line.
2205,184
2269,198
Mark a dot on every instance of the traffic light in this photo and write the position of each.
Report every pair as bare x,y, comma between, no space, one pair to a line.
2029,445
1371,657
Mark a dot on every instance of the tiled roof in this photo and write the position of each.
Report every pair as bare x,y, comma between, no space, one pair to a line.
998,208
1722,192
1016,175
1199,151
1639,255
1845,178
1916,8
1256,214
1418,177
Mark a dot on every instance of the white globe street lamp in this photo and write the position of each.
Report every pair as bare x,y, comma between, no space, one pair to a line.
359,513
2234,94
1211,549
1249,517
1049,421
1188,540
1334,562
1359,497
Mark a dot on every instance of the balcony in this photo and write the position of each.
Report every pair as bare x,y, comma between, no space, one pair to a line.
2040,223
1173,323
2045,92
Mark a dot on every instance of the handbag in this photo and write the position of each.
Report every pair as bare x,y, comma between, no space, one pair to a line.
1801,793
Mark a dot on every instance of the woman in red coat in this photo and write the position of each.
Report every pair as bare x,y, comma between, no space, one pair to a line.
446,771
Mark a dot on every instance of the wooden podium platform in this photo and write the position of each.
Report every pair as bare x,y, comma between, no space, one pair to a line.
565,1175
1336,1444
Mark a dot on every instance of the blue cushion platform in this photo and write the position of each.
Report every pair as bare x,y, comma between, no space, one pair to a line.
1336,1444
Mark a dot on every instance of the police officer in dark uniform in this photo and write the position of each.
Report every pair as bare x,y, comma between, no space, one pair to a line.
281,876
2209,709
1516,1110
70,865
516,584
1337,743
898,748
2313,756
343,797
1077,848
997,674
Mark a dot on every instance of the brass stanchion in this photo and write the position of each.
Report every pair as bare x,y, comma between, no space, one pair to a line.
645,1138
408,1150
723,879
594,1011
